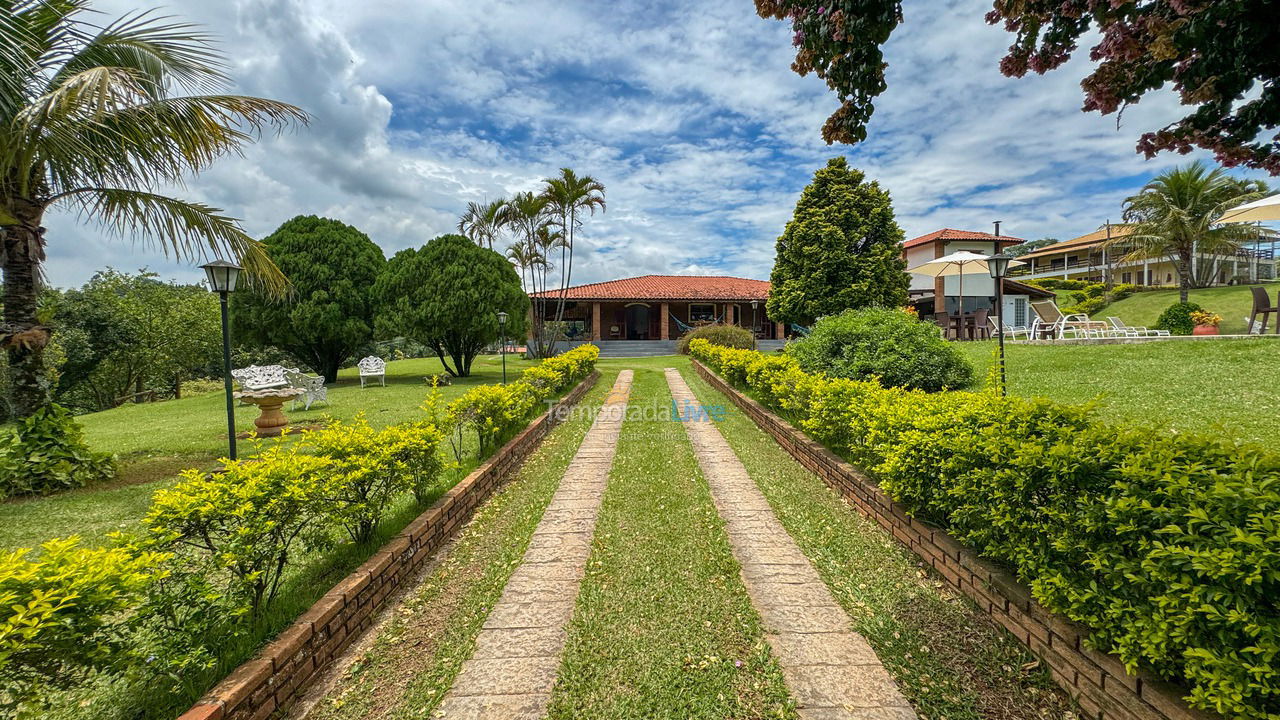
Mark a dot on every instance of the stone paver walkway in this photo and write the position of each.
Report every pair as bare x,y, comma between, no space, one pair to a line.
831,671
517,654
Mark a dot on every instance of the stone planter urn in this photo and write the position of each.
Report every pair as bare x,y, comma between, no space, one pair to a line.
1205,330
271,420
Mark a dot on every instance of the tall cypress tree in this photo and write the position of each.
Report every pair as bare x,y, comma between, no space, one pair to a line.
842,249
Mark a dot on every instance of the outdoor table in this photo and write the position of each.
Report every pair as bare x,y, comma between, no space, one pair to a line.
965,326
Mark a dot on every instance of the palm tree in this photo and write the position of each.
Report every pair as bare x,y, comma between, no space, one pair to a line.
569,195
525,257
99,120
483,222
1175,215
527,215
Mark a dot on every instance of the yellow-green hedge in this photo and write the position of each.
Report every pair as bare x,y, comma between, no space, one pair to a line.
1166,545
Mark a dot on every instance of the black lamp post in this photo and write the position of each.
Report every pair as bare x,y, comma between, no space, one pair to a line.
502,330
222,280
755,323
998,265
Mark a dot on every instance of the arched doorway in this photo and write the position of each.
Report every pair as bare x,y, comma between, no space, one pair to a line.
637,322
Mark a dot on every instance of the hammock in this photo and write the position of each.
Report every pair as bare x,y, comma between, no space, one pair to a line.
800,329
686,328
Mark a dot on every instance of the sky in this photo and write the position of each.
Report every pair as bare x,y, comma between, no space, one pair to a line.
688,113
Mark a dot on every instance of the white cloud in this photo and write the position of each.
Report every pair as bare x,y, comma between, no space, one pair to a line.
687,112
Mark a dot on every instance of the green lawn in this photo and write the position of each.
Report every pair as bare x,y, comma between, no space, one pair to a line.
1232,303
663,626
1230,388
155,441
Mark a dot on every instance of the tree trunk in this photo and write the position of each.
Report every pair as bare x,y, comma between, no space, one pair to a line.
23,338
1184,280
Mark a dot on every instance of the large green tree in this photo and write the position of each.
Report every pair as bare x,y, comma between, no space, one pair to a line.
98,117
1176,214
447,295
328,315
123,333
1222,58
842,249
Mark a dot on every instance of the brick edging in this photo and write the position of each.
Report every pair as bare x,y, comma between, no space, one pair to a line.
285,667
1096,680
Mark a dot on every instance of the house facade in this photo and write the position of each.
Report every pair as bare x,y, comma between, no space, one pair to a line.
661,307
931,295
1100,256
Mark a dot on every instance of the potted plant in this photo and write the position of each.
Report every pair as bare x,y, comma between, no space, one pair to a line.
1206,322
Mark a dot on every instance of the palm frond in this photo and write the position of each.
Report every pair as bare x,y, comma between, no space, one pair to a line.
158,49
182,230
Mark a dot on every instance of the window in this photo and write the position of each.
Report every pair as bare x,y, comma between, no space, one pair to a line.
1126,277
702,313
1020,312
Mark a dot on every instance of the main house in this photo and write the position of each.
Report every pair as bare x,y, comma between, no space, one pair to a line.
931,295
661,307
1102,256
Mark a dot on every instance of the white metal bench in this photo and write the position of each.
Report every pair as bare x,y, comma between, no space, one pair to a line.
372,367
262,377
312,386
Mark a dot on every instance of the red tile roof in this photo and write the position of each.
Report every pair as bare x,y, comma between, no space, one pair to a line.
949,234
669,287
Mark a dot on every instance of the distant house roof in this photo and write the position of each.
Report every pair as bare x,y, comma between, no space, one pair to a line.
1084,241
669,287
1013,287
949,234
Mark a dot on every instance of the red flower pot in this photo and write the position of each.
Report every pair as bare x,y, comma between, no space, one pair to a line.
1205,330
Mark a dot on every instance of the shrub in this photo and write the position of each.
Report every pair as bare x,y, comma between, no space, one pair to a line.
359,480
245,522
497,412
46,452
62,614
1166,546
718,334
888,344
1177,318
413,452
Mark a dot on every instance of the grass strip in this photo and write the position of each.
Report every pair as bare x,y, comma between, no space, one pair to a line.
663,627
949,660
407,669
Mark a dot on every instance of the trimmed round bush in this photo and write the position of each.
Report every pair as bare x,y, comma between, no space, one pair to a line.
718,334
887,344
1177,318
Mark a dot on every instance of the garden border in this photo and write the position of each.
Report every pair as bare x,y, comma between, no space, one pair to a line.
285,667
1097,681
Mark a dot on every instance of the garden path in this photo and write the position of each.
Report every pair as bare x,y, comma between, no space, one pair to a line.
831,671
517,653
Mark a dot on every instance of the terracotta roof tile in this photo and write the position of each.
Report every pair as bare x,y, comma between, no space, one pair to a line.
950,234
669,287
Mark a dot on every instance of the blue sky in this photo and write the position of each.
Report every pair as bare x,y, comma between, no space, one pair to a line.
688,112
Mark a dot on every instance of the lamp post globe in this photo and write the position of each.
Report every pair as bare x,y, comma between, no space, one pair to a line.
222,276
998,266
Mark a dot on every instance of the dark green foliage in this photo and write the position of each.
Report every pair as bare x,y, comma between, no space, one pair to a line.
1166,545
328,315
841,250
1030,246
122,333
1177,318
45,452
718,334
447,294
890,345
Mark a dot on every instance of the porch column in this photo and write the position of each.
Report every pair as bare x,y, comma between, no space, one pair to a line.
779,332
728,314
662,323
595,321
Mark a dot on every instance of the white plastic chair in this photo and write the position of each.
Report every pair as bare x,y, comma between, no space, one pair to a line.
372,367
1131,331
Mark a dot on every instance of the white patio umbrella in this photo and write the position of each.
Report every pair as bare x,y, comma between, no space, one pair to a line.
955,264
1268,208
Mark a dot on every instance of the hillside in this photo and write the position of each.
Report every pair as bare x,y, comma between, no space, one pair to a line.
1232,303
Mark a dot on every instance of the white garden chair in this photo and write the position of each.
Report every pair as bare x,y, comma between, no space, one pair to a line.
1011,331
313,388
372,367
